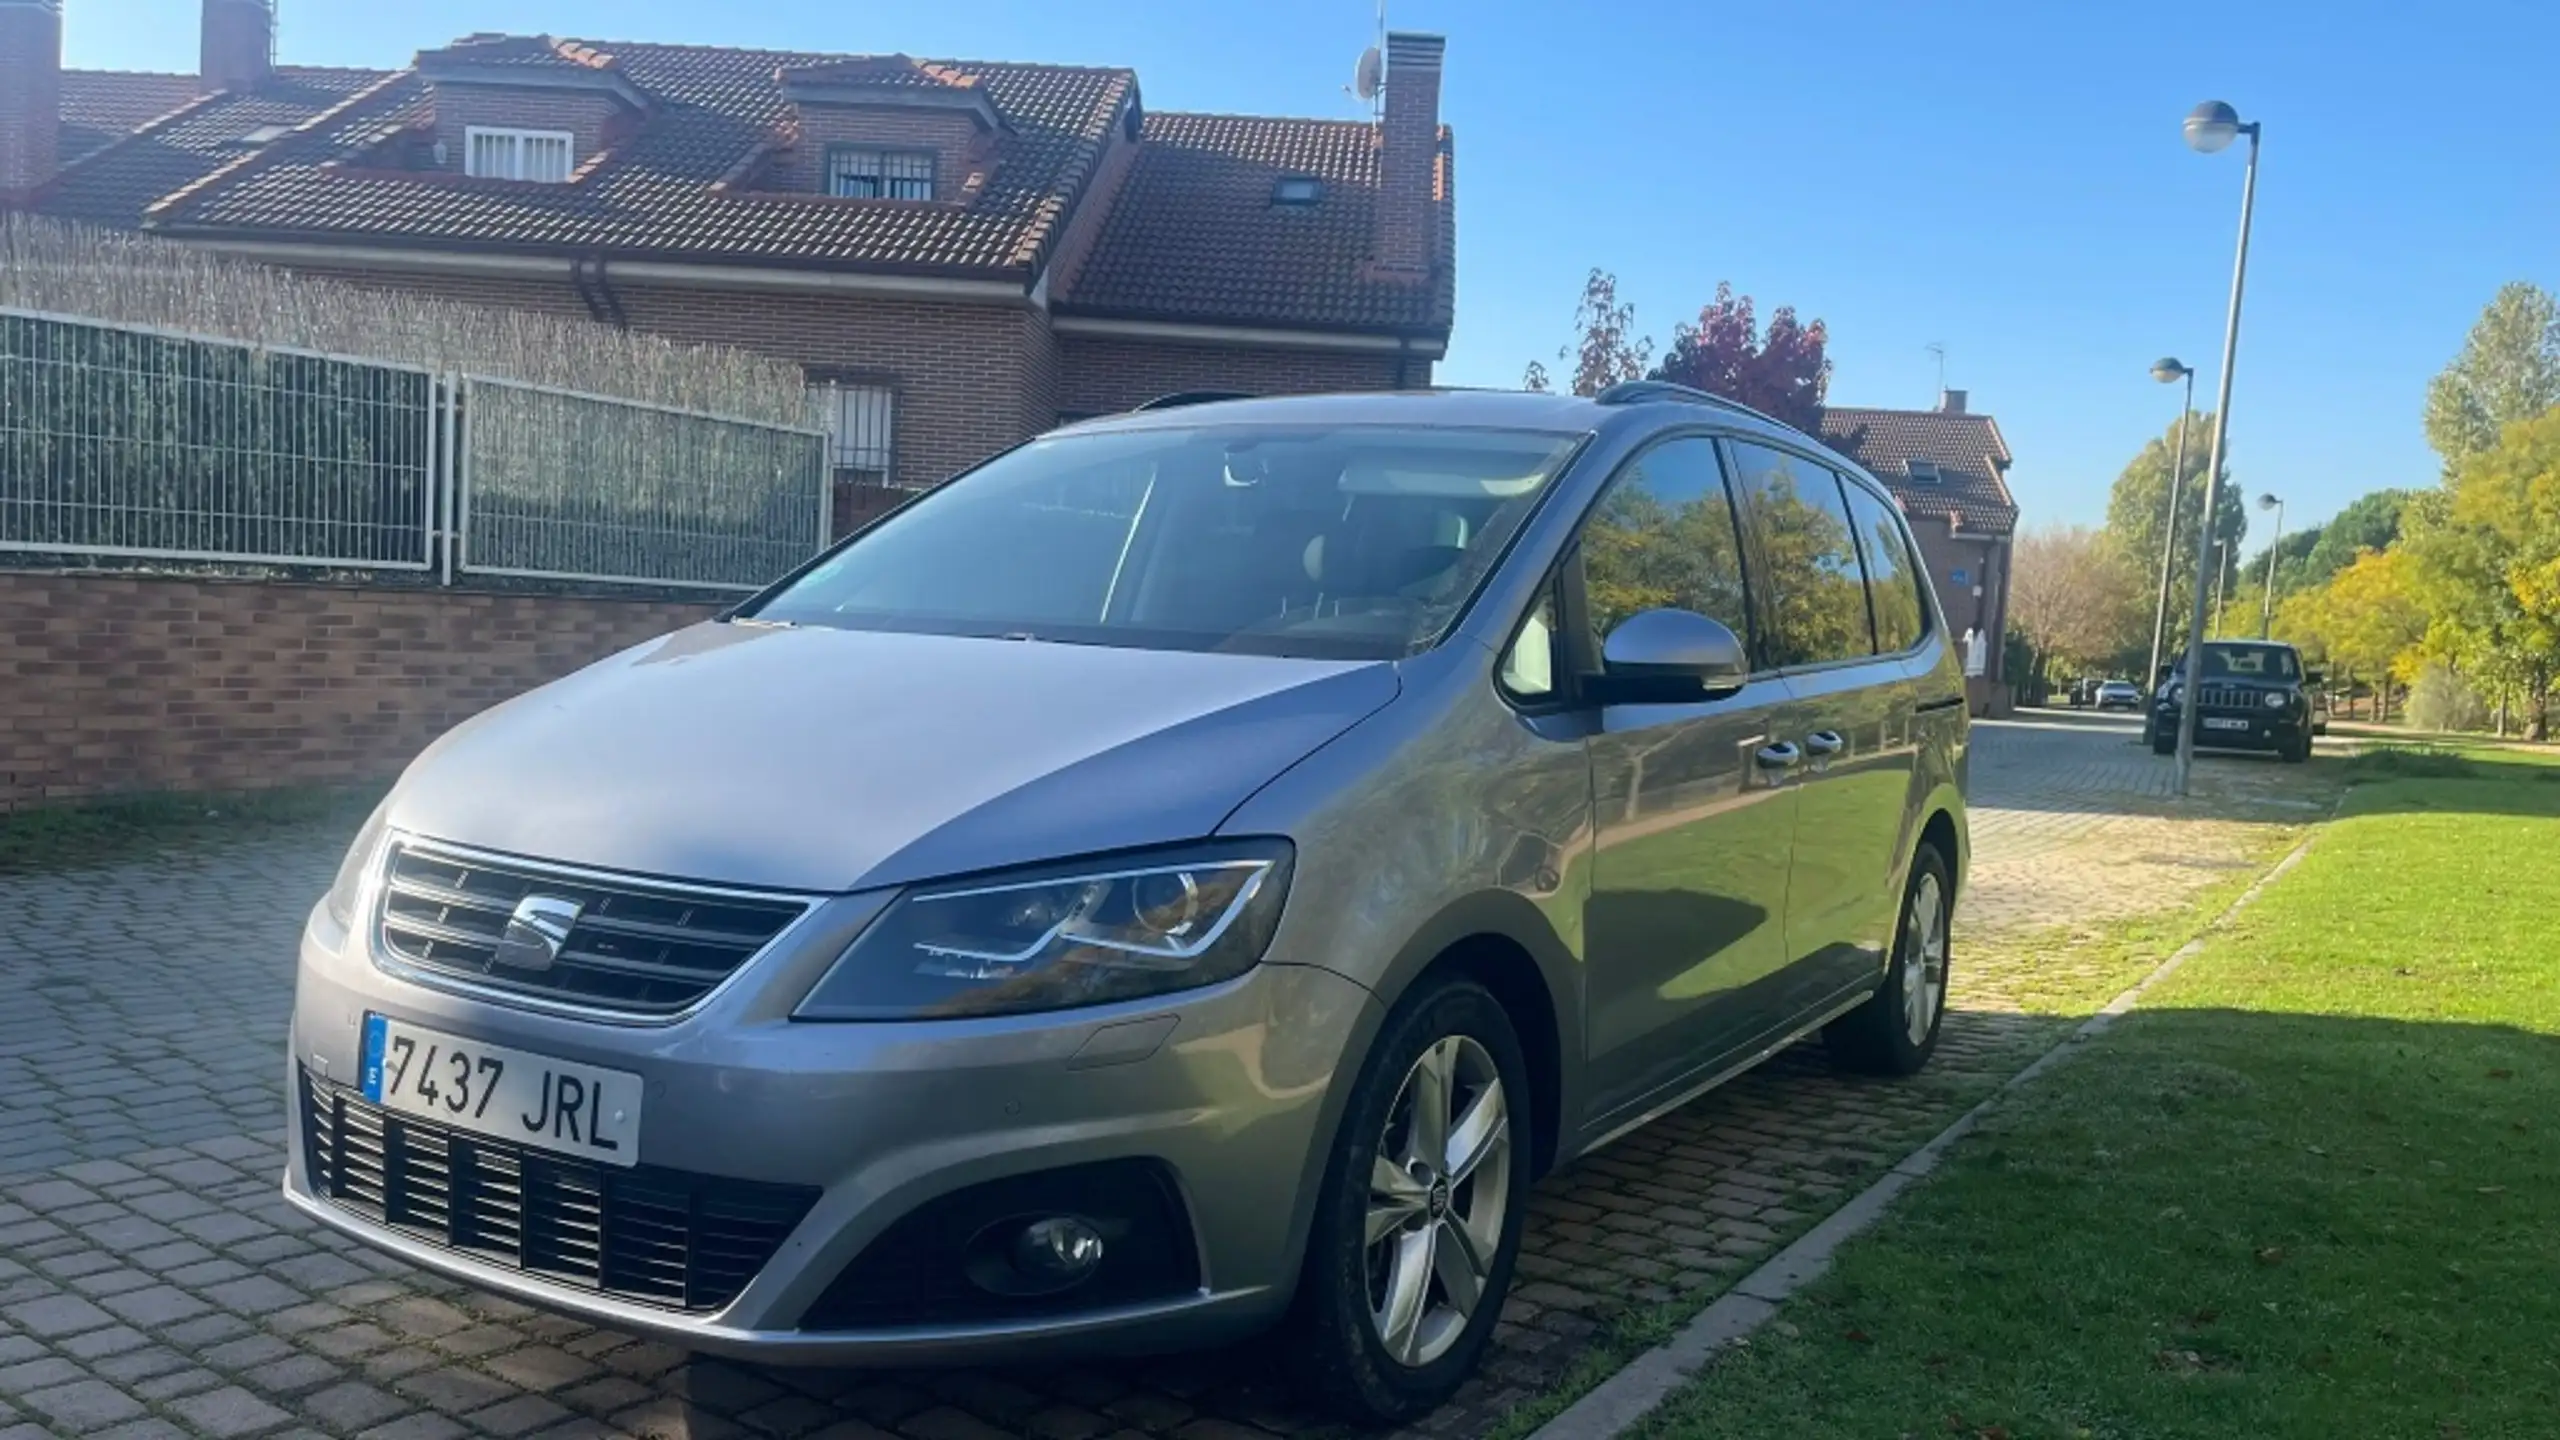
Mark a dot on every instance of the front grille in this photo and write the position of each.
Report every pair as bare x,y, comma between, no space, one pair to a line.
661,1237
2231,697
636,946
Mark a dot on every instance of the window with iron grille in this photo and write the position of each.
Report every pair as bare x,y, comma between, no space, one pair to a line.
499,154
859,421
864,174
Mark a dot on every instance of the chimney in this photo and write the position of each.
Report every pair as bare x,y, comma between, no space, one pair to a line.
30,92
239,44
1408,239
1951,402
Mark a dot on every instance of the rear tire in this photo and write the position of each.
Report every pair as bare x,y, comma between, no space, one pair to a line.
1423,1201
1896,1031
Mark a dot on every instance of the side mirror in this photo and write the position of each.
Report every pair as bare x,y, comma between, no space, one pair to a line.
1669,657
2315,677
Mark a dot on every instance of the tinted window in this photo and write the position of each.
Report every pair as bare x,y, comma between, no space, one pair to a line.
1663,537
1350,541
2250,662
1817,594
1892,580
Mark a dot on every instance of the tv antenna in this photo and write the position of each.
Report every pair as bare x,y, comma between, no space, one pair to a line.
1369,76
1938,348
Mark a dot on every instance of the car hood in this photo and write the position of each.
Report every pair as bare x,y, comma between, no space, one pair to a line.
830,760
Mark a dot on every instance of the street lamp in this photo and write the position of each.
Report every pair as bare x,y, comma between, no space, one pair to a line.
2210,127
2267,612
2165,370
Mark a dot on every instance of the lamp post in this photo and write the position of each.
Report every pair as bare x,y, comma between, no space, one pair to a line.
2211,127
2221,582
2165,370
2267,610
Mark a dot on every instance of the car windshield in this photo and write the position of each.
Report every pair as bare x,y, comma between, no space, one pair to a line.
1358,542
2250,662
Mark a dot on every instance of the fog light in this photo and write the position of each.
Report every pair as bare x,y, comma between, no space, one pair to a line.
1057,1252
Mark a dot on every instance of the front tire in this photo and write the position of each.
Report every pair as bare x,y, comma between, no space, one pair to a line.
1419,1224
1896,1031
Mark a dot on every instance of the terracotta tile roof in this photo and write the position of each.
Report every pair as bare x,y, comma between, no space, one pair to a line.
891,70
100,107
536,51
113,182
1194,234
713,108
1967,448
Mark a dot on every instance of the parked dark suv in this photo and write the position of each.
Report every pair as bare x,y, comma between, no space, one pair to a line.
2254,696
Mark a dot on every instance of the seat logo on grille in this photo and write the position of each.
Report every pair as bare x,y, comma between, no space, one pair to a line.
536,931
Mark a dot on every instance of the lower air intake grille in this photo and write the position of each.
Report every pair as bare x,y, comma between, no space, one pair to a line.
660,1237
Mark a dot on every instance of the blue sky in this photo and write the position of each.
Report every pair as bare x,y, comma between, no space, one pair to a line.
2007,179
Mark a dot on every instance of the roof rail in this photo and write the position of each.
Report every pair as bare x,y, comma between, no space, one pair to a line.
1645,392
1180,398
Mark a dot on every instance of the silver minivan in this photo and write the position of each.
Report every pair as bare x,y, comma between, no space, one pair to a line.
1193,872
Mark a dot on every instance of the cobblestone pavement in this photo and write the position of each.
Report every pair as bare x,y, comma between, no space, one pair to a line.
153,1284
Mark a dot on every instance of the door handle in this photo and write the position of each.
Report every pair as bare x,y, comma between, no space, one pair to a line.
1825,743
1780,756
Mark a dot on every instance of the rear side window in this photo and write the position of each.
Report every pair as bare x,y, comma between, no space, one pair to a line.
1892,580
1663,537
1817,593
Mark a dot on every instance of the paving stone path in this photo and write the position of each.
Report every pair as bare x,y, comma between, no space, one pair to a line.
153,1284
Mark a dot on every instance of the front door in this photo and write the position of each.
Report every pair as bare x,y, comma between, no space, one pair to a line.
1692,807
1849,708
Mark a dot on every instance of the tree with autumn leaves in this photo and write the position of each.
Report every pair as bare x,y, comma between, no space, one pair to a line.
1781,371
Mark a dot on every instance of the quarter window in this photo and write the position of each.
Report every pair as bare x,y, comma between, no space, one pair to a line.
1892,579
861,174
1817,593
1529,666
497,154
1663,537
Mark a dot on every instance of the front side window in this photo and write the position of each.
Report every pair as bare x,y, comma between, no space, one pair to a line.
1893,581
1356,542
1817,594
1663,538
857,173
546,156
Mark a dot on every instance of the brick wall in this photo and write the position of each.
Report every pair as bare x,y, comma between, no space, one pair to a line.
1098,376
30,94
117,683
595,118
952,137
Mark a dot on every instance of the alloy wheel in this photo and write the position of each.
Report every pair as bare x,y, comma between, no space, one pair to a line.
1924,964
1439,1187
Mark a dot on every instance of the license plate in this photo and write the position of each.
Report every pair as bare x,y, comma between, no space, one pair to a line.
502,1092
2217,722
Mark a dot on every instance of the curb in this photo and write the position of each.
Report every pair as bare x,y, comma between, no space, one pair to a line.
1619,1402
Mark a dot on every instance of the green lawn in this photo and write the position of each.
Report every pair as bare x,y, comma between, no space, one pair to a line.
2310,1188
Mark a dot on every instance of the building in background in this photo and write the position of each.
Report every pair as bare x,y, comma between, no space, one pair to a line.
1948,468
959,254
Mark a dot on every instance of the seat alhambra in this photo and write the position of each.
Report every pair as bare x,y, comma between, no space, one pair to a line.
1192,873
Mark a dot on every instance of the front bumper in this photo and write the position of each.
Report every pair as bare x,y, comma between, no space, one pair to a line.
2242,730
1225,1088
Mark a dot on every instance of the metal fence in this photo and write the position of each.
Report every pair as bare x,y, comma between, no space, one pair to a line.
127,441
582,487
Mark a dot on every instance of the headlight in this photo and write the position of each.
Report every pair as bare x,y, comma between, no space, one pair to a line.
2275,699
2177,692
1061,937
348,887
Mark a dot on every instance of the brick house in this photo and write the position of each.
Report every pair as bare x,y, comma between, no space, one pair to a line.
958,253
1948,468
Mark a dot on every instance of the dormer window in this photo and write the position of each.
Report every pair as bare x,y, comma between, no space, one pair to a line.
1921,472
494,153
1297,190
859,173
